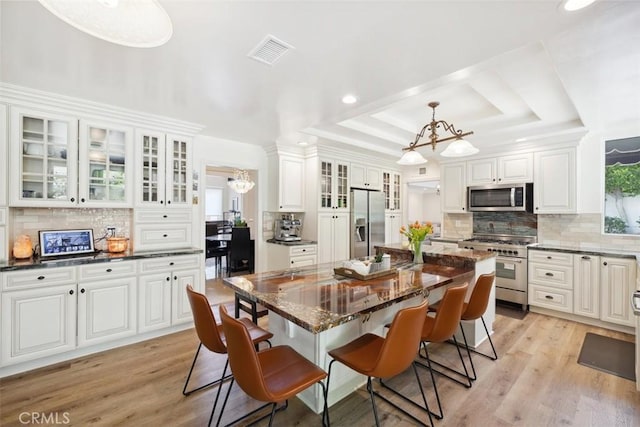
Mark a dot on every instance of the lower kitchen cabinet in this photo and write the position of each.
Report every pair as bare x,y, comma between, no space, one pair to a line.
280,257
38,322
392,223
162,291
617,282
586,294
106,310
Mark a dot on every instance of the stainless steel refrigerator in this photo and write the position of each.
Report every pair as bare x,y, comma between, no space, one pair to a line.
367,222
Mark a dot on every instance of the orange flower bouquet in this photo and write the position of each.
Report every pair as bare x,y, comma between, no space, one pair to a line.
416,233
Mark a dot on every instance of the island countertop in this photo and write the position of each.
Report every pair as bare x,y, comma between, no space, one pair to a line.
317,299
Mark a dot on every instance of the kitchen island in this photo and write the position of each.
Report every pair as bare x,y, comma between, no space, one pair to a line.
314,310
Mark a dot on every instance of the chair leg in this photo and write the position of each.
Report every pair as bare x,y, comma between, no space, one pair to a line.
215,402
433,381
466,345
237,312
325,409
373,401
273,412
212,383
464,374
495,354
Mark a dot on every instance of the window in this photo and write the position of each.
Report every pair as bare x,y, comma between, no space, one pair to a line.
622,186
213,204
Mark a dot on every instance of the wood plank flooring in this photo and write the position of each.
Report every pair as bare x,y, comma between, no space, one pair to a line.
535,382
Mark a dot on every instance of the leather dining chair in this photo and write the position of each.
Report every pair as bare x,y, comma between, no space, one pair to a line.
441,328
378,357
473,310
212,336
273,375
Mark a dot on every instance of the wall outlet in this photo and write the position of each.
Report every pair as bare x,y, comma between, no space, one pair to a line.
111,232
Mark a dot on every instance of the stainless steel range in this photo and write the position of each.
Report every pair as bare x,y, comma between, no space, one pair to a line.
511,263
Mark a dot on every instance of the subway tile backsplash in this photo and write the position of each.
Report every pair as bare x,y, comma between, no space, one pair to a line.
505,223
30,220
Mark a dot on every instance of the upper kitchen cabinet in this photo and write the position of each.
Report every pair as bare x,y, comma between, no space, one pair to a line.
164,170
334,185
4,154
502,170
555,181
286,182
44,159
391,189
454,188
366,177
105,167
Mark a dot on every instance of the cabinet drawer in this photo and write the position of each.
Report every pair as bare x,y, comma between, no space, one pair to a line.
162,236
165,216
548,257
107,270
156,265
303,261
555,299
556,276
302,250
38,277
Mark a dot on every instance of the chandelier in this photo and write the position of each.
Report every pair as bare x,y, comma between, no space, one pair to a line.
241,182
457,148
133,23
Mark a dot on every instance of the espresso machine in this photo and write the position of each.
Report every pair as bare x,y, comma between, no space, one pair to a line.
288,229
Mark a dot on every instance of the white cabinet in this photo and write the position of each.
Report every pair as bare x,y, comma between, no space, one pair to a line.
617,282
4,156
502,170
286,182
586,288
164,171
158,229
555,181
106,165
392,224
334,185
391,189
106,302
37,321
44,159
366,177
551,280
162,298
280,257
454,187
333,237
4,250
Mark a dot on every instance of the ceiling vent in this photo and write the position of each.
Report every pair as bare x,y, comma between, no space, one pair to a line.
269,50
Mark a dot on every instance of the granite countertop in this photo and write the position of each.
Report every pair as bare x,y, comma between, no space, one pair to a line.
100,257
292,243
316,299
619,253
438,255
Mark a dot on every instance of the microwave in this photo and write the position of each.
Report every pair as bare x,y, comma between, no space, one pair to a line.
500,197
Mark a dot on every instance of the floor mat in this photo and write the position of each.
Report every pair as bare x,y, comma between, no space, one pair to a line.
609,355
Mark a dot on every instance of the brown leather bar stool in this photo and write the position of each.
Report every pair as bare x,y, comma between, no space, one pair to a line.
378,357
441,328
212,337
272,375
473,310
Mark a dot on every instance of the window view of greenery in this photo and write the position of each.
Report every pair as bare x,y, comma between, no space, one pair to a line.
622,186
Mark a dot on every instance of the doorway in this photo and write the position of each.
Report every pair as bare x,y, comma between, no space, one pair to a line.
423,202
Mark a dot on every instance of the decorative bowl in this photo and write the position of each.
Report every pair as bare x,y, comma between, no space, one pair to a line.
117,244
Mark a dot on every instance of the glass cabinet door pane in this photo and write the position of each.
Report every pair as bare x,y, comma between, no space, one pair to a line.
343,186
326,182
178,172
106,150
150,165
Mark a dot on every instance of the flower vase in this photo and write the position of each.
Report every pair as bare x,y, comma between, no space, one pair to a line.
417,251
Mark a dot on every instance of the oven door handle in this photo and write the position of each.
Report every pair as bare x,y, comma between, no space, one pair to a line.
518,261
635,303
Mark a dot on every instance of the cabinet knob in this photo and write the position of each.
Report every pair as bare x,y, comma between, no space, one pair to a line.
82,291
168,279
586,257
71,292
82,200
171,263
108,270
40,277
536,208
291,262
463,208
604,263
73,199
548,274
175,277
304,250
162,202
168,202
164,235
548,297
549,257
164,216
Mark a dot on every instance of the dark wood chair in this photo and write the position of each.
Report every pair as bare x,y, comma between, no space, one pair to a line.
216,249
240,254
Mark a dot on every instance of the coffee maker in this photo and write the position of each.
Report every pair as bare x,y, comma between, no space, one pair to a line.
288,229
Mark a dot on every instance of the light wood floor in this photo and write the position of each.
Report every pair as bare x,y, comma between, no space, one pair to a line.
536,382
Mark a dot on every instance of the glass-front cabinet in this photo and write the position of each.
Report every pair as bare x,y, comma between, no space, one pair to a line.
391,189
334,185
164,162
105,164
44,158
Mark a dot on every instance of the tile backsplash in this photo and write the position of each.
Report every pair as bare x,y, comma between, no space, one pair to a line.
583,231
30,220
506,223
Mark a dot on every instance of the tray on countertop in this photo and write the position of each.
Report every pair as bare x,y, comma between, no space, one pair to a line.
348,272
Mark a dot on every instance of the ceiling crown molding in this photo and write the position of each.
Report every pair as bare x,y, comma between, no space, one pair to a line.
13,94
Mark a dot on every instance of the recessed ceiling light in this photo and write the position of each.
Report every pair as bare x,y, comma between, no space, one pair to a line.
521,139
303,143
349,99
572,5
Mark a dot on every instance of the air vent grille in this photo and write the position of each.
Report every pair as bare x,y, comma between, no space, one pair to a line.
269,50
